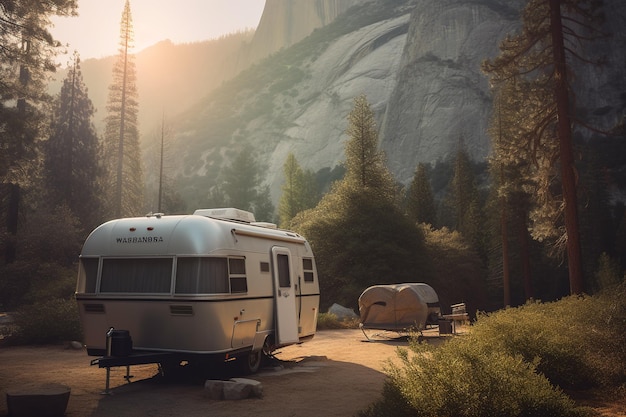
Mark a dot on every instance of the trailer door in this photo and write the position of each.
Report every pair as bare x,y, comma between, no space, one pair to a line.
285,317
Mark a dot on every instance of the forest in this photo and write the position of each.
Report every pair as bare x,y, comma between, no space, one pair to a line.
539,220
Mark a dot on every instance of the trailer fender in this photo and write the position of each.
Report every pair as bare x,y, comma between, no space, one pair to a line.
261,341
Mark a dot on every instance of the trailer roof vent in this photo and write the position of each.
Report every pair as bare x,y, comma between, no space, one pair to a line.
227,214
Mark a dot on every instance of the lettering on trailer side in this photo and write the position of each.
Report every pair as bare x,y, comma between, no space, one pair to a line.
141,239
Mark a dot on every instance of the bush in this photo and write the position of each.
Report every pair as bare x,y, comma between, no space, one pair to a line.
463,379
51,321
578,342
514,362
29,282
326,321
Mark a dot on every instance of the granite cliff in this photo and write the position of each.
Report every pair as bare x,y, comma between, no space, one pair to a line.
290,87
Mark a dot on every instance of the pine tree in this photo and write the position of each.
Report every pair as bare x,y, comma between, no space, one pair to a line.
365,163
72,169
290,203
511,176
538,57
26,58
299,191
161,191
420,201
242,186
122,154
465,201
241,179
358,231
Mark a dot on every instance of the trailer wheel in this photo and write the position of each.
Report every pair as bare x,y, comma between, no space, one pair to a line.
251,362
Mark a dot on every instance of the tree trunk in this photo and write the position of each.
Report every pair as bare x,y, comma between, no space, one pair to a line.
568,179
506,278
10,250
525,254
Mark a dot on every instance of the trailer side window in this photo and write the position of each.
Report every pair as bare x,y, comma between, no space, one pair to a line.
87,275
284,278
201,276
237,273
307,267
138,276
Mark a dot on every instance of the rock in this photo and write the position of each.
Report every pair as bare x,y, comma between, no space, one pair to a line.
214,389
283,24
236,391
342,312
256,386
442,96
75,345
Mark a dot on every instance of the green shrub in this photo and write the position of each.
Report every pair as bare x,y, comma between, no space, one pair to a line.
51,281
50,321
608,273
578,342
326,321
464,379
514,362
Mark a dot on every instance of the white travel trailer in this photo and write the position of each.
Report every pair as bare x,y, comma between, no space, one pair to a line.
215,283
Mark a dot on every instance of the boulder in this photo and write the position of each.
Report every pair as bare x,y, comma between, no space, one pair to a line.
342,312
256,386
234,389
214,389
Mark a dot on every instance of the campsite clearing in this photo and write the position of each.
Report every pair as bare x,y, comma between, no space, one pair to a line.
338,372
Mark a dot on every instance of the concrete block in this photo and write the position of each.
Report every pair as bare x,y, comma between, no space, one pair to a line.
43,401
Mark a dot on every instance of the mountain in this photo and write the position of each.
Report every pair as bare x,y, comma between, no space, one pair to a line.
289,87
417,61
296,100
441,97
285,23
170,77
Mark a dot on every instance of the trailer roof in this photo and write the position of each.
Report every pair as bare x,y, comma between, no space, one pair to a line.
175,235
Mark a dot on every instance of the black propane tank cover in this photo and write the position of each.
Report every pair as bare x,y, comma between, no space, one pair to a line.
121,343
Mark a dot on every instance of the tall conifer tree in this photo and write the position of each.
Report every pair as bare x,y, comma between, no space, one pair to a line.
299,191
539,56
26,58
122,154
420,201
358,232
72,166
365,163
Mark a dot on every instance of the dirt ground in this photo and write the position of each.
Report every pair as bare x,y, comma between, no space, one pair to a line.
337,373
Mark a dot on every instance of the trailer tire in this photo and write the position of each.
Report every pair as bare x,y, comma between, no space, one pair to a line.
251,362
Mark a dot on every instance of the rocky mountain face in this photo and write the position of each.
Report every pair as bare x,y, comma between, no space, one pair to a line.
298,99
441,99
285,23
417,61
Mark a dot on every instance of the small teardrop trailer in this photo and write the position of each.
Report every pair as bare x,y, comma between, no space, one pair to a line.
399,307
190,287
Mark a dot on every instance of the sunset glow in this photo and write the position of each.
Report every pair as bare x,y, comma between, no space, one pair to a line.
95,32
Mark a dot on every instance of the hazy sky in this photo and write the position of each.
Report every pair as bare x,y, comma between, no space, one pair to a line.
95,33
